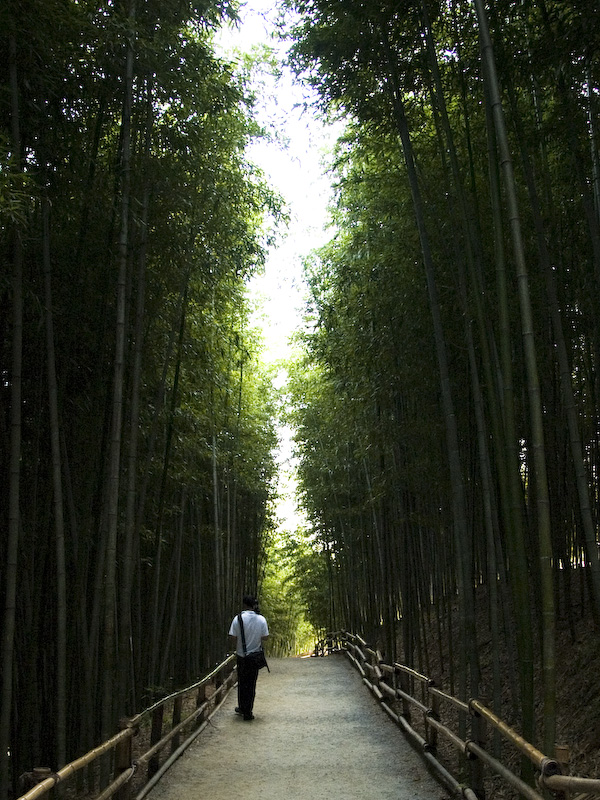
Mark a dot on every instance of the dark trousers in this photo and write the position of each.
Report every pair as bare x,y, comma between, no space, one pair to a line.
247,675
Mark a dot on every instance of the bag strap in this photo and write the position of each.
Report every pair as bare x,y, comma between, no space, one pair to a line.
243,634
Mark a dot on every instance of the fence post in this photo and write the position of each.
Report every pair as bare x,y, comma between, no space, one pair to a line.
177,704
218,685
477,736
376,660
405,687
562,754
434,713
155,736
230,680
123,760
201,696
30,779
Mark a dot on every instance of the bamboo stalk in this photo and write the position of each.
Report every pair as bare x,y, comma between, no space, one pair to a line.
450,699
413,673
452,737
361,654
374,689
167,738
116,784
570,783
532,753
410,699
499,768
390,713
389,690
357,665
76,765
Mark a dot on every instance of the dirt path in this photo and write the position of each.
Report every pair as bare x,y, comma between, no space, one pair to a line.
317,732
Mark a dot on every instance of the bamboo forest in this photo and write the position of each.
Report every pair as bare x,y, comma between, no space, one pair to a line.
443,389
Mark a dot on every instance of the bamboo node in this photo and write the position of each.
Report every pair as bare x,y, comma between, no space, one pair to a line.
550,767
471,756
473,708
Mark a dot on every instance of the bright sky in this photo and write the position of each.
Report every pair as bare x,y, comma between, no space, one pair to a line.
297,172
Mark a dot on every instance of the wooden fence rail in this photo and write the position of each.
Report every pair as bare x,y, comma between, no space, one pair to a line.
403,692
112,769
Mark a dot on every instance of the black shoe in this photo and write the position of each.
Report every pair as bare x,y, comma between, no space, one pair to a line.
238,710
248,717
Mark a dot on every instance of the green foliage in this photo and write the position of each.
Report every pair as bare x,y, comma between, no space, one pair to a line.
294,594
15,189
197,438
374,473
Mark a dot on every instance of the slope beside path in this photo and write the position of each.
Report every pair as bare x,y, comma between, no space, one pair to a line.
317,732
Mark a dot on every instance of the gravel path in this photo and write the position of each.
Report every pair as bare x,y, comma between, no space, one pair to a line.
317,732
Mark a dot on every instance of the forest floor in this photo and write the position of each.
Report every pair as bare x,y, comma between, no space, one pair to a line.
317,732
577,687
578,694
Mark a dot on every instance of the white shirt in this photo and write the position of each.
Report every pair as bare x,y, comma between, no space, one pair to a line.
255,627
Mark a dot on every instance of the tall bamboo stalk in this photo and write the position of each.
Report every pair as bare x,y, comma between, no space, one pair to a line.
535,404
59,525
110,609
463,547
12,546
566,383
170,424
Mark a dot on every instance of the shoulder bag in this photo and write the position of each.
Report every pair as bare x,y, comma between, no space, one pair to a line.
258,658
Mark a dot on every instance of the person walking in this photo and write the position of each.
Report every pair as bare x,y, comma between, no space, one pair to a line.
249,628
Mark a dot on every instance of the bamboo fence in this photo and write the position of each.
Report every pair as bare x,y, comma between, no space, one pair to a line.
111,769
405,694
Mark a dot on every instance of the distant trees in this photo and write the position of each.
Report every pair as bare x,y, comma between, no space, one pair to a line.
447,409
293,595
137,424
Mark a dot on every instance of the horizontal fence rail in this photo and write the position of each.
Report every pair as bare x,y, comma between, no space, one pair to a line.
403,692
114,771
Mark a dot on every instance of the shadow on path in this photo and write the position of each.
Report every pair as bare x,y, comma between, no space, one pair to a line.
317,733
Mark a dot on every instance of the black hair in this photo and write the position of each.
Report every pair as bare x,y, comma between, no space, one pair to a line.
250,601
